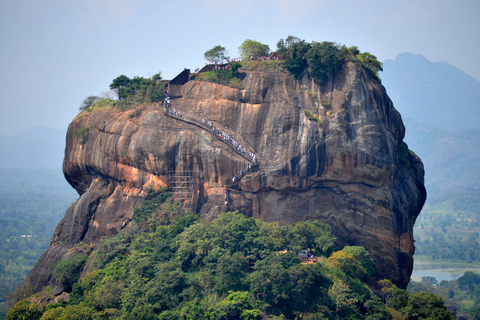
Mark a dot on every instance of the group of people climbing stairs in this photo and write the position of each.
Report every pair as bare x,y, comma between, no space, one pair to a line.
220,134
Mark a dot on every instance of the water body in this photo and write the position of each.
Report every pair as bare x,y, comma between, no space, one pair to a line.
447,274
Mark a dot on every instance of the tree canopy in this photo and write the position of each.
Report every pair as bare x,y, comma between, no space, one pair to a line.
139,89
217,54
253,49
370,63
323,59
88,101
173,265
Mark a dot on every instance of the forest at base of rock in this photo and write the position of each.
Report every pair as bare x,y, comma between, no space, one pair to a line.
32,202
173,265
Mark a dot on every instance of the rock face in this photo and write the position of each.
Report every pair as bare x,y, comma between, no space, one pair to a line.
346,170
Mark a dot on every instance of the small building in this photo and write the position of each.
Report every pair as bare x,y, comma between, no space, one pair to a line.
273,56
175,85
303,253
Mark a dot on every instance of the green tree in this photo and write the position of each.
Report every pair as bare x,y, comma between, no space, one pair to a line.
314,235
120,81
24,310
157,76
237,306
341,294
425,305
394,297
165,290
235,66
284,45
53,314
362,256
230,271
323,59
354,50
468,281
290,41
296,54
67,271
475,312
430,280
77,312
119,85
370,63
253,49
87,102
348,263
217,54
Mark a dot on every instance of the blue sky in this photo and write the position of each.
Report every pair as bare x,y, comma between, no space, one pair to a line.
54,53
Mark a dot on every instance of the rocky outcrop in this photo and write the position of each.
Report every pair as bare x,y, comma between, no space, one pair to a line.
345,169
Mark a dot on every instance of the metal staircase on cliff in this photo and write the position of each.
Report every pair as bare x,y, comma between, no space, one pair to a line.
182,184
204,126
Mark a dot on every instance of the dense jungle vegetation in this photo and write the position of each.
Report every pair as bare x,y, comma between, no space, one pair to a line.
172,265
447,236
126,93
448,229
32,202
462,293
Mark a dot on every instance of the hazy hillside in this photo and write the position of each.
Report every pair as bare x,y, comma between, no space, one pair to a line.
40,147
451,158
439,104
433,93
34,196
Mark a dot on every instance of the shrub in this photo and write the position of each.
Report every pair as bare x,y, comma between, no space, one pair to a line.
265,65
67,271
137,90
370,64
81,134
234,66
149,207
311,117
225,77
323,59
311,95
102,104
87,102
24,310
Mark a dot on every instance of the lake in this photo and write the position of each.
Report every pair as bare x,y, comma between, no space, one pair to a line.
447,274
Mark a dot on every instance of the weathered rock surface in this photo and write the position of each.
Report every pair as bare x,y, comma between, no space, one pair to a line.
345,171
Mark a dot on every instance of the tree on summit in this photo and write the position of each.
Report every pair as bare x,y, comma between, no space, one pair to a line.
253,49
87,102
370,63
118,84
217,54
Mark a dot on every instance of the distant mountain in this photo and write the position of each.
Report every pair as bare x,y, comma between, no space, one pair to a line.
40,147
434,93
451,158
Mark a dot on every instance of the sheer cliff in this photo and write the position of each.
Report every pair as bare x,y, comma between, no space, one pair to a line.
349,169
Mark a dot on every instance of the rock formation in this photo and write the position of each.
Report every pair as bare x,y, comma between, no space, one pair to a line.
346,169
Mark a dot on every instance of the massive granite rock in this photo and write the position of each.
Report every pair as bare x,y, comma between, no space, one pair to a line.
350,169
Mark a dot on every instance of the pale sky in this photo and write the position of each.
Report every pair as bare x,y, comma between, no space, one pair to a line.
54,53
